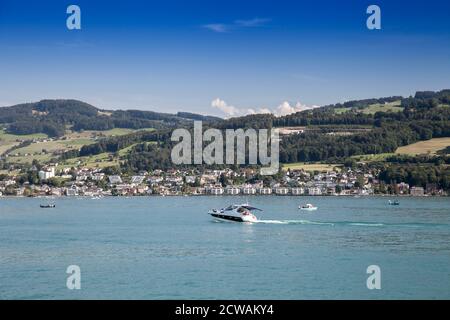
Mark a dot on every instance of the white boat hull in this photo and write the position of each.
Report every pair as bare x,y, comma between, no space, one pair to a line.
224,217
308,209
235,213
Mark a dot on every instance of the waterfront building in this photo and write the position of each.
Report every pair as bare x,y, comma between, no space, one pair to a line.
417,191
265,191
314,191
72,191
297,191
281,191
232,190
216,191
249,190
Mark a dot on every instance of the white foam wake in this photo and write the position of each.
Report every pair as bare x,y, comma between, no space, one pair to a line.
295,222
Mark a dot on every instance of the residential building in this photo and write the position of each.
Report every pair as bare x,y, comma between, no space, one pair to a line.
265,191
281,191
417,191
314,191
297,191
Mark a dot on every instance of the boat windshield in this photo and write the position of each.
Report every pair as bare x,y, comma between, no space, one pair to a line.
250,208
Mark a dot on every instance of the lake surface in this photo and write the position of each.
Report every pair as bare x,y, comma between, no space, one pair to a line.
169,248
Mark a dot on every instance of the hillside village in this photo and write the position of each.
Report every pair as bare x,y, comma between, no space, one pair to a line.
391,145
94,182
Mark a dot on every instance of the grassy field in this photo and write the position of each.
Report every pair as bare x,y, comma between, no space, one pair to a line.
10,140
341,110
372,157
43,150
373,108
100,160
13,137
93,134
311,166
421,147
387,107
425,147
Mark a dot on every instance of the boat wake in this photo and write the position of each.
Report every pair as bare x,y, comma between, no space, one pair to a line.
295,222
351,223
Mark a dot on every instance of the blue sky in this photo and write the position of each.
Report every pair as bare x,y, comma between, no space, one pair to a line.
173,56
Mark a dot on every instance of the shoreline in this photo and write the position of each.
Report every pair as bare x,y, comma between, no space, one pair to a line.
217,196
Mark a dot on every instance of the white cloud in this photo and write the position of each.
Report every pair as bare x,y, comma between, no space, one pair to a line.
237,24
255,22
217,27
224,107
286,108
283,109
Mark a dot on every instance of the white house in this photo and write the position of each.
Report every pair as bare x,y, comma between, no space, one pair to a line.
155,180
216,191
97,176
297,191
265,191
46,173
232,190
190,179
248,190
417,191
281,191
115,179
136,180
314,191
73,191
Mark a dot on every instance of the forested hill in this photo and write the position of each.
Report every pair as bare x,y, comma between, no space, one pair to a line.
424,105
331,133
53,117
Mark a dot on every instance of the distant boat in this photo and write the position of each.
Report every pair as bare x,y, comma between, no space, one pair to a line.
307,207
48,205
394,203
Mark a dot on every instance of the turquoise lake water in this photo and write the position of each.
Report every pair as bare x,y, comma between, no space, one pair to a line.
169,248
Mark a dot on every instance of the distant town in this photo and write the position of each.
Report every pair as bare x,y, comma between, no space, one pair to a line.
379,146
51,180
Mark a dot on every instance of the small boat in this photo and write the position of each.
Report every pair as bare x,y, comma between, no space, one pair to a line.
307,207
394,203
236,213
48,205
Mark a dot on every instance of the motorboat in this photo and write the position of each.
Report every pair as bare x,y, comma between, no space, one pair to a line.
307,207
48,205
394,203
235,212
